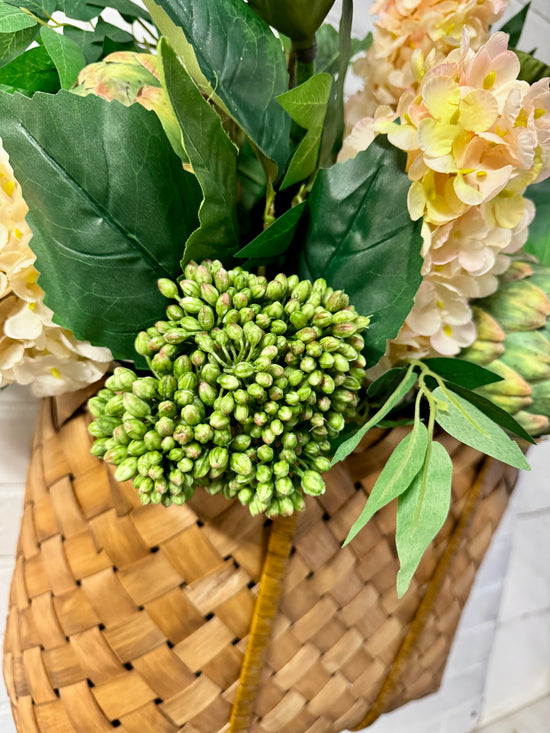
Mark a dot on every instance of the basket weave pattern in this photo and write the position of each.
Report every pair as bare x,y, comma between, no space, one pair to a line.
137,617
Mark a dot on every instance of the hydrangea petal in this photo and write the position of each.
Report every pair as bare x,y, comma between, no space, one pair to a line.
436,138
478,110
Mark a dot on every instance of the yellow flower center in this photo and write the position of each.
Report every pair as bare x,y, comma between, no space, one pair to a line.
9,187
55,372
489,80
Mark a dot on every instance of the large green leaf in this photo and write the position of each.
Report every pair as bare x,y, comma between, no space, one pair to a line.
42,8
328,48
12,44
213,158
399,471
469,425
65,53
421,512
30,72
13,19
307,105
361,239
241,60
110,210
538,242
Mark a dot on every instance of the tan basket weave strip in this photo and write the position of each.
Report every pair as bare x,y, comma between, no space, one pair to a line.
137,618
261,629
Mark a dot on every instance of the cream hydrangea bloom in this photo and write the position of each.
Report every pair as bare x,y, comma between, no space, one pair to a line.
406,26
475,138
33,349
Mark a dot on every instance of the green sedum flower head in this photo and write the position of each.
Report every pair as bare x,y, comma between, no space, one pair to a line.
250,380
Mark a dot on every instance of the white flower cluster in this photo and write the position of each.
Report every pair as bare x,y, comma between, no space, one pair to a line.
33,349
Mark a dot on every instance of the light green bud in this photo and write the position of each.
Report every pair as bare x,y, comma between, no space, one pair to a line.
228,381
298,501
322,464
265,453
281,468
264,491
284,486
327,385
219,457
134,428
210,373
115,406
176,454
190,288
241,442
137,448
243,370
167,444
257,392
168,288
183,397
116,455
141,344
221,278
264,379
275,290
223,305
245,496
167,386
183,434
165,426
268,436
202,274
252,333
202,466
185,465
207,393
209,293
205,344
192,450
263,473
99,447
241,413
226,405
312,483
263,321
126,469
206,318
203,433
240,463
336,421
174,312
167,408
192,414
260,418
277,427
103,426
222,437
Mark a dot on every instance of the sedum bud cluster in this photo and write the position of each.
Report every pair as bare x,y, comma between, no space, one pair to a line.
251,380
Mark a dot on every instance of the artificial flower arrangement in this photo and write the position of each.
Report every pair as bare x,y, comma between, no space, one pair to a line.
275,273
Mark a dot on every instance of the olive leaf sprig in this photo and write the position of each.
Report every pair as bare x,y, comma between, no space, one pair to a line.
419,471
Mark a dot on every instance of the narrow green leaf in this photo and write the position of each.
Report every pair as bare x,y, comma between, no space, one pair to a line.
110,212
497,414
421,512
538,241
531,69
514,26
79,9
65,53
466,423
462,372
385,384
12,19
306,105
30,72
276,239
213,158
12,44
361,239
223,44
399,471
349,445
89,42
327,57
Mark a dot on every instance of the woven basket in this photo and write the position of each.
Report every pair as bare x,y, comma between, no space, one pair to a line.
139,617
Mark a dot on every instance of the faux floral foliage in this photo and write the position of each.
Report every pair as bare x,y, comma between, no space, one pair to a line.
113,209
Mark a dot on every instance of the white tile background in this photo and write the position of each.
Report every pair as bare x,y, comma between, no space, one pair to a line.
498,675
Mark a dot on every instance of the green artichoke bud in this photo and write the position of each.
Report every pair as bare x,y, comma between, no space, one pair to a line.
513,340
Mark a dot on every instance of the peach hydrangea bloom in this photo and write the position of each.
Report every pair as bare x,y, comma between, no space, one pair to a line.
33,349
406,26
475,138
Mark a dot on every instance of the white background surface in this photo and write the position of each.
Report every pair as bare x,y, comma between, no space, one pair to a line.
500,661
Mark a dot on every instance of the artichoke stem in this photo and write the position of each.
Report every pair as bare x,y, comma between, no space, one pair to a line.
301,61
